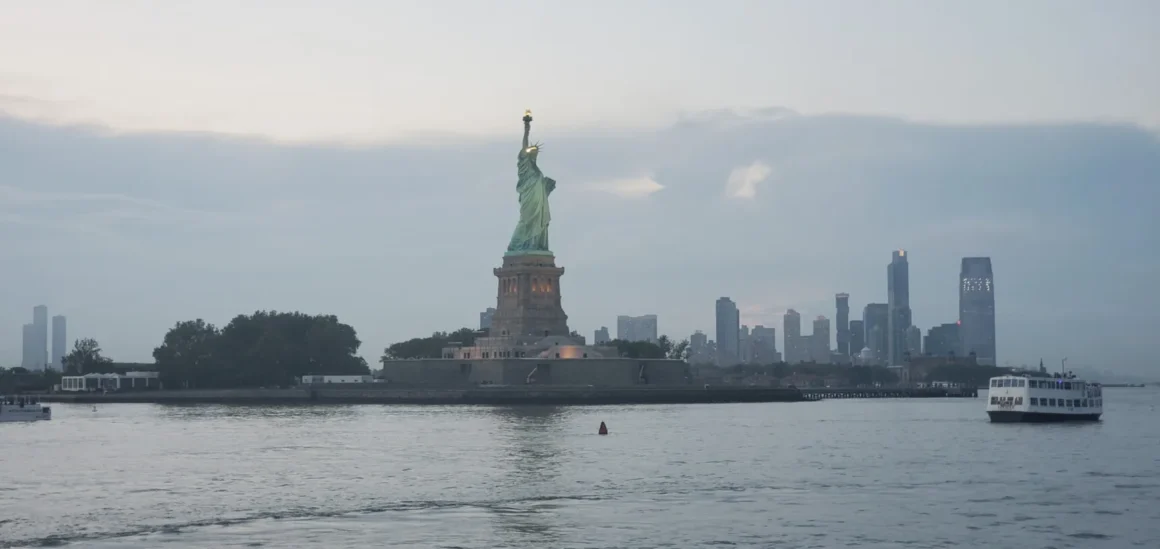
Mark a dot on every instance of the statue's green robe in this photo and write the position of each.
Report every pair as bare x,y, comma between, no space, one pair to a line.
531,234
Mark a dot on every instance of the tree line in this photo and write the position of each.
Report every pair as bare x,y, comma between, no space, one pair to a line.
266,348
433,345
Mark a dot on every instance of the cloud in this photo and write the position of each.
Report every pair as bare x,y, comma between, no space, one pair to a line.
627,187
104,208
743,181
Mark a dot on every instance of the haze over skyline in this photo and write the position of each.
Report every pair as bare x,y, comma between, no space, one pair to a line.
693,151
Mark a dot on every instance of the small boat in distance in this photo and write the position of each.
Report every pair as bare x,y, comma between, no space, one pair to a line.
22,408
1043,398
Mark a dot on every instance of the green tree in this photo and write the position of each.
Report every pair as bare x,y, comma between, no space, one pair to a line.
637,349
679,351
428,347
186,357
265,348
85,358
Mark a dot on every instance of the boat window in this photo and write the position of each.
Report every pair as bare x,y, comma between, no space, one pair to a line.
1034,401
994,383
1051,402
994,400
1067,386
1018,401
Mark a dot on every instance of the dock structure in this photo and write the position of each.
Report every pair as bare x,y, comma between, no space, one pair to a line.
822,393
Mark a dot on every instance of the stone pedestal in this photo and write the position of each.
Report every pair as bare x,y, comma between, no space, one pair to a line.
528,301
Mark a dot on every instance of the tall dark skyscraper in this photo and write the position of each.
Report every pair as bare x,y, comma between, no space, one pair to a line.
875,318
977,309
857,337
843,327
898,293
59,342
728,332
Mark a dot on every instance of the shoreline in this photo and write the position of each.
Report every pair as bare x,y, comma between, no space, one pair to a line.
554,396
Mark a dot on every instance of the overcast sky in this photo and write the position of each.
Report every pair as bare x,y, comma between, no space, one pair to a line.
161,162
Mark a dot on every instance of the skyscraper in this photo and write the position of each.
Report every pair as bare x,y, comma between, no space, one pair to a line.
637,328
697,342
977,309
28,355
843,328
820,341
745,346
875,320
943,340
59,342
914,341
728,332
857,337
898,296
601,336
764,345
791,328
40,329
485,318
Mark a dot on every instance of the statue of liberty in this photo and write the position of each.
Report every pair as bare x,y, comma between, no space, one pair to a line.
531,234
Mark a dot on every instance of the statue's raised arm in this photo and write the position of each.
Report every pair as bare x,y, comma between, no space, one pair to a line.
527,126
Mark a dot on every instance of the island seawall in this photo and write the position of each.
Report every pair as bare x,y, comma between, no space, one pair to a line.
555,396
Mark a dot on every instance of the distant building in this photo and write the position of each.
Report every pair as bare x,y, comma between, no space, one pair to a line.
842,302
128,381
28,348
898,302
485,318
943,340
763,342
59,342
820,341
698,341
637,328
874,319
914,341
977,309
857,337
791,329
728,332
323,380
602,336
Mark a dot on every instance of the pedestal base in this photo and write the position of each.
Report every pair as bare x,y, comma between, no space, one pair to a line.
528,300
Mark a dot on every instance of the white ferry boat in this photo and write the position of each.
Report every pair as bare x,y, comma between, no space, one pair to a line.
1036,397
22,408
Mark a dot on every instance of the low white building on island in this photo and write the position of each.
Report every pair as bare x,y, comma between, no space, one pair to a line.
320,380
128,381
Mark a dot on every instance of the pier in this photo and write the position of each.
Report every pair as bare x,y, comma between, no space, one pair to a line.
822,393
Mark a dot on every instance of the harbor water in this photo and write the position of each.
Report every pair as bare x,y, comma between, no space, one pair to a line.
844,473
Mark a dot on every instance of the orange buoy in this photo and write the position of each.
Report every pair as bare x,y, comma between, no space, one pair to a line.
603,429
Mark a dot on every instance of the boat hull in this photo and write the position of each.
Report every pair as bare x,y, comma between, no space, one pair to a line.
1007,416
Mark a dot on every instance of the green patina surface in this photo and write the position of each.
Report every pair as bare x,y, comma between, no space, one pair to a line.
531,234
